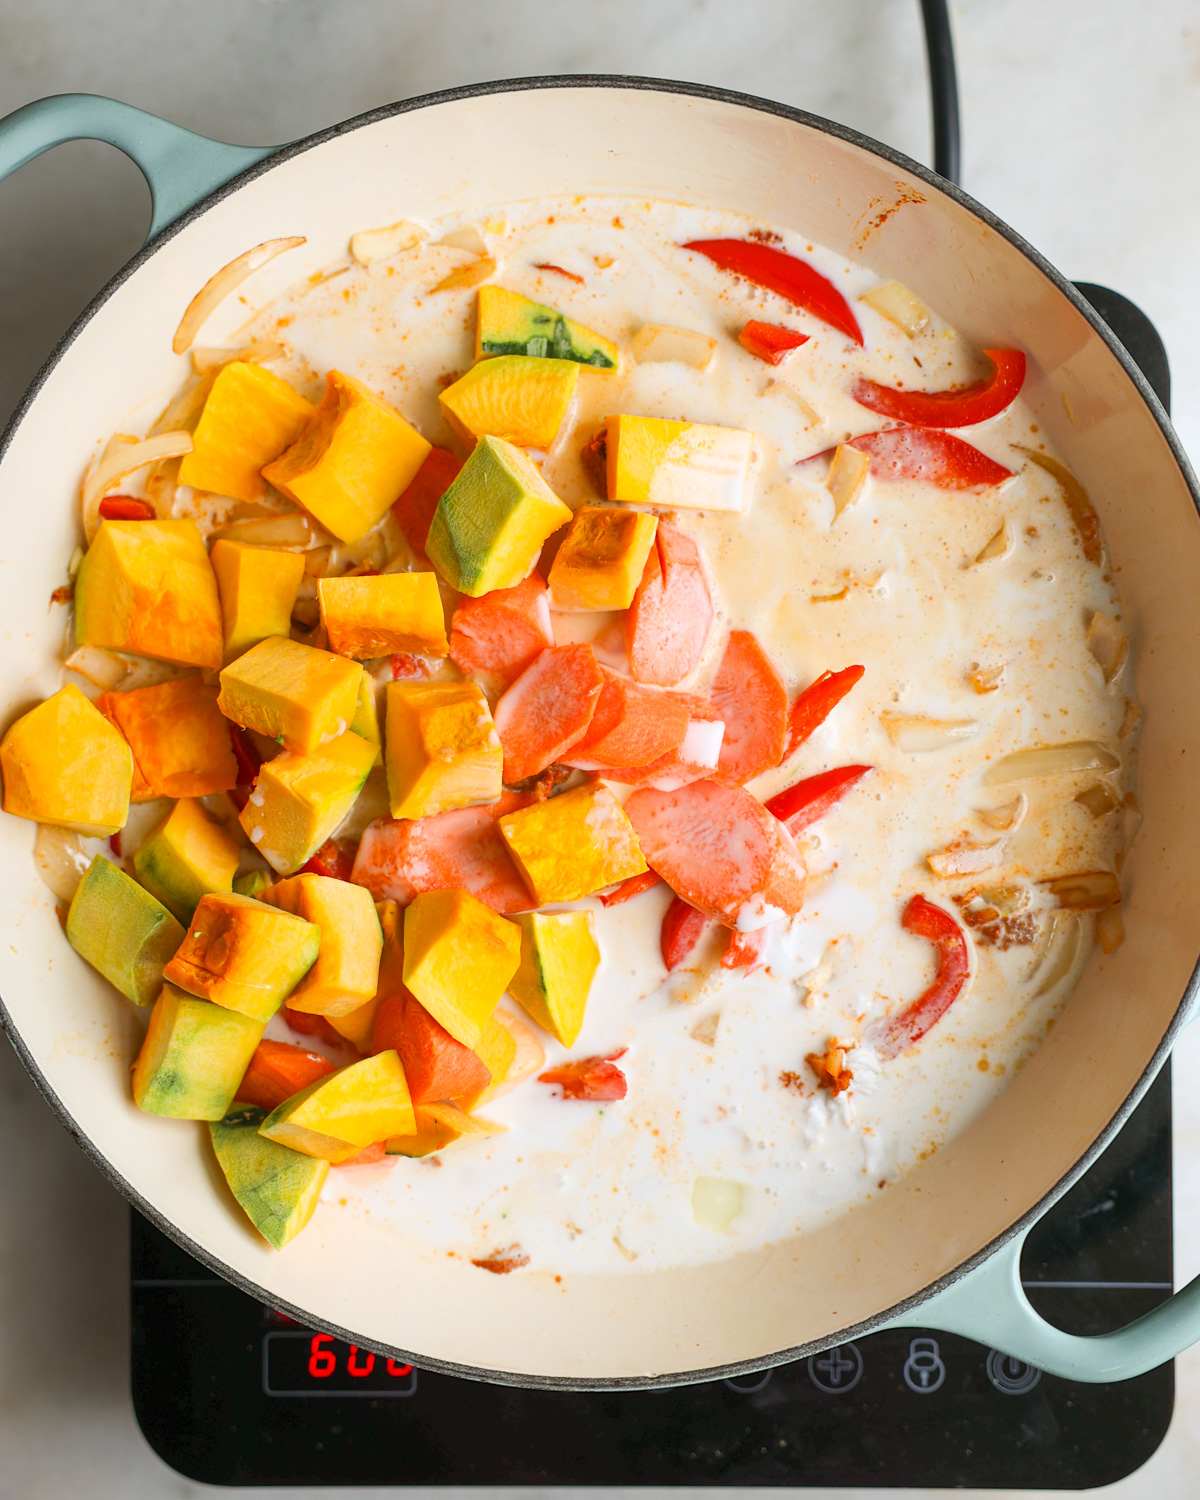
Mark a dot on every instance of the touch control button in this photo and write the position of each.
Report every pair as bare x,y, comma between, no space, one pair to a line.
746,1385
1011,1377
837,1370
923,1369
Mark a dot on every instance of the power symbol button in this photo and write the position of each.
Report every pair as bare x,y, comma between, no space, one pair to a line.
923,1369
1011,1377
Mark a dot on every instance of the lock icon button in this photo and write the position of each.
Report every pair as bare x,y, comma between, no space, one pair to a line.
924,1370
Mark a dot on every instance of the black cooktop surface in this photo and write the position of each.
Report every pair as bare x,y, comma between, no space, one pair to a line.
229,1392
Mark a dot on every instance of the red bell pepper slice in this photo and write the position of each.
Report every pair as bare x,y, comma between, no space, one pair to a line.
909,1025
961,408
815,704
632,886
335,859
925,453
682,928
744,950
589,1078
770,342
249,761
406,666
126,508
783,273
807,801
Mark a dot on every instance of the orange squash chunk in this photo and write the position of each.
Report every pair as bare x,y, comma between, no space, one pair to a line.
547,710
179,738
502,631
749,696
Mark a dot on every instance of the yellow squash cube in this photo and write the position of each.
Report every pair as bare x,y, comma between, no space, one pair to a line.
193,1057
335,1117
511,1051
346,973
179,738
572,845
249,418
601,559
295,694
559,959
375,616
520,399
490,524
439,1126
186,857
298,800
148,587
64,763
678,465
258,588
358,1026
442,748
244,955
354,458
458,958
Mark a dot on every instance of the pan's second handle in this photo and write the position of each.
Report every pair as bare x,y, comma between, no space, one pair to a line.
990,1306
180,166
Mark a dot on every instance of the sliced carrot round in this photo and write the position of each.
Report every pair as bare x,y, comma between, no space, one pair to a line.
749,695
631,726
501,632
278,1070
547,710
436,1066
669,619
415,507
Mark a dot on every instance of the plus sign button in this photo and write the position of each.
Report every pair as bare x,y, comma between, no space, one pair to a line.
837,1370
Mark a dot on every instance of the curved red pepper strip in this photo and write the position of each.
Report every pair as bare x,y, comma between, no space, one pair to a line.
783,273
909,1025
126,508
745,950
682,928
962,408
335,859
632,886
589,1078
815,704
249,761
806,801
925,453
769,342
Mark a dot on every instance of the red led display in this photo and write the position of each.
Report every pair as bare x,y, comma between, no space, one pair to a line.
316,1364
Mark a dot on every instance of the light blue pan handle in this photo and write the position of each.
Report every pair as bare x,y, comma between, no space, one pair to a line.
180,166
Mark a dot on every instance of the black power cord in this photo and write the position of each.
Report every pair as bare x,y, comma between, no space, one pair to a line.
943,89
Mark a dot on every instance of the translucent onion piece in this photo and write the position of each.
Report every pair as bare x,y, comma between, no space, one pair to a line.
812,417
61,859
73,564
654,344
468,238
184,412
1108,643
468,275
831,596
1110,930
705,1029
381,244
847,476
317,562
987,679
916,734
965,858
1008,817
898,305
1080,508
1051,760
1099,799
1000,544
1130,720
294,531
716,1202
1088,890
122,461
1059,955
219,286
261,353
99,666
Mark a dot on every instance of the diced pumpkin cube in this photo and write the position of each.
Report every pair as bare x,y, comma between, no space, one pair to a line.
296,694
500,633
512,397
458,958
439,1126
178,736
277,1071
365,722
572,845
678,465
185,857
193,1057
346,973
249,418
559,959
509,323
436,1066
377,615
512,1050
64,763
122,931
298,800
351,461
335,1117
148,587
358,1026
258,588
442,749
244,955
602,558
490,524
277,1187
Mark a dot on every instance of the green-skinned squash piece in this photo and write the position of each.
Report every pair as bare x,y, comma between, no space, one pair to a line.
277,1187
509,323
193,1058
122,931
253,882
365,722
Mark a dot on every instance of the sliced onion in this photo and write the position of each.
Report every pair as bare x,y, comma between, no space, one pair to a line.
987,679
654,344
916,734
1087,890
219,286
261,353
293,531
847,476
812,417
705,1029
1108,643
1130,720
73,565
1079,507
1051,760
1000,544
61,859
468,238
370,245
1110,930
1099,799
122,461
898,305
104,668
184,412
469,275
716,1202
965,858
1008,817
1059,954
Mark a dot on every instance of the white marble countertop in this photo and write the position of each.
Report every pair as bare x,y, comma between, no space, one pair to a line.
1081,121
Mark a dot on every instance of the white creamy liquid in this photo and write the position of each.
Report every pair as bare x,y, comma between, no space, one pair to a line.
583,1186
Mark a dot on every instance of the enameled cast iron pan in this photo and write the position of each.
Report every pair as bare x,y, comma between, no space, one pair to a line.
941,1248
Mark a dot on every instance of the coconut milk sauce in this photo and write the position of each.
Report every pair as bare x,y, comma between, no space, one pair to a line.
888,584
